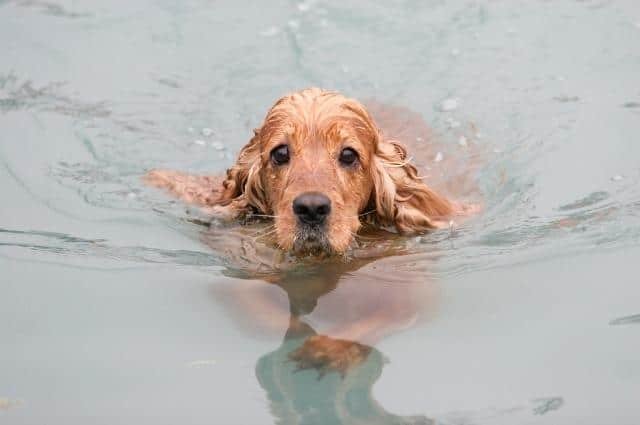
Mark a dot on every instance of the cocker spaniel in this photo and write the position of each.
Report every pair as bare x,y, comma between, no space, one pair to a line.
320,168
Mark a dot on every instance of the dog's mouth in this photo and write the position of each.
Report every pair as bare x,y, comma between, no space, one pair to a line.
311,240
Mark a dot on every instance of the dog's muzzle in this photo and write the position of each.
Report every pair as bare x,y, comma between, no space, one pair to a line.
311,210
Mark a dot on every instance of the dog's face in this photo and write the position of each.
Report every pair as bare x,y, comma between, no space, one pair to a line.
316,156
317,164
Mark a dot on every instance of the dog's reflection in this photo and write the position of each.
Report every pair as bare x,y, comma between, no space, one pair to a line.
306,397
331,315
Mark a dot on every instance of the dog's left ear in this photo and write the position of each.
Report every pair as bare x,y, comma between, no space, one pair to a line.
242,189
401,197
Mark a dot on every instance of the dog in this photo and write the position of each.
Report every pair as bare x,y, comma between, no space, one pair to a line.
331,181
321,169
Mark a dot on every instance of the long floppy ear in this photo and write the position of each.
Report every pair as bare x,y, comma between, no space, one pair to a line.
242,189
401,197
240,192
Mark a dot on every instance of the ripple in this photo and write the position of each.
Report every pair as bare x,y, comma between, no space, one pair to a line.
546,405
61,244
52,9
631,105
16,94
626,320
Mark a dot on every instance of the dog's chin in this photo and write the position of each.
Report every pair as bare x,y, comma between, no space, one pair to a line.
311,241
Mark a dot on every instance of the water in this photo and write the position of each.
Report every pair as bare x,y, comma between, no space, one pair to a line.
116,308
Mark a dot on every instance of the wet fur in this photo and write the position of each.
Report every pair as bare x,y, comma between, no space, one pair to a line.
385,190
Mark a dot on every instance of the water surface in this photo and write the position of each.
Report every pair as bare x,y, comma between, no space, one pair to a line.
114,307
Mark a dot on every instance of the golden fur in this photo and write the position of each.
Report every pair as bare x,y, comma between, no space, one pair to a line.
382,188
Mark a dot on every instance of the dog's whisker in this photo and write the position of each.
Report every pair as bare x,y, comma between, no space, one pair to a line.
364,238
366,213
260,238
264,215
266,232
262,232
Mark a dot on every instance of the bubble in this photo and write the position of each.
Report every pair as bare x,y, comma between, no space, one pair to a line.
451,123
206,132
293,24
270,32
303,7
450,104
202,363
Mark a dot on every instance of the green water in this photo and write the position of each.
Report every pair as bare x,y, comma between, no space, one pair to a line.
114,309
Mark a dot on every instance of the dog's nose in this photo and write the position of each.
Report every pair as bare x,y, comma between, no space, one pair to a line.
312,207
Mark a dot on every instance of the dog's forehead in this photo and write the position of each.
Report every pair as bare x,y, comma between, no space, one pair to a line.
329,131
314,118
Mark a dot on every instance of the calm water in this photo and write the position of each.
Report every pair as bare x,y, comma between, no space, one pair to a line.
115,310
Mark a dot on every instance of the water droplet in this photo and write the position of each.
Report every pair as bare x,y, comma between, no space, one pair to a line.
451,123
206,132
293,24
450,104
217,145
617,178
131,195
202,363
303,7
455,52
191,130
270,32
462,141
438,157
199,142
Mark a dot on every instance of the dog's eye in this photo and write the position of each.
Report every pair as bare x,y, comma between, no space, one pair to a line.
348,156
280,155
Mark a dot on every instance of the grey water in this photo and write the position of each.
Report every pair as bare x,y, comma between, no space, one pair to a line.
114,308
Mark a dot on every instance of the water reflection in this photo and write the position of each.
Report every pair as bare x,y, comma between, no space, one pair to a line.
301,397
331,314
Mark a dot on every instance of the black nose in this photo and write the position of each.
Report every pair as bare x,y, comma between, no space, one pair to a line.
312,207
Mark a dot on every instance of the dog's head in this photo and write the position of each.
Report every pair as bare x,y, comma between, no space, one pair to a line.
318,165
